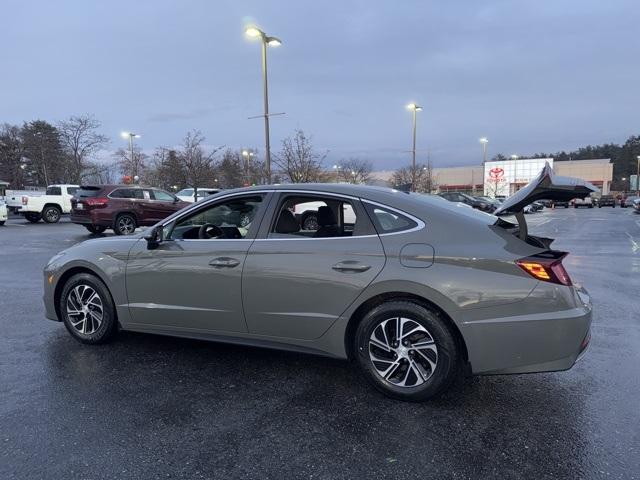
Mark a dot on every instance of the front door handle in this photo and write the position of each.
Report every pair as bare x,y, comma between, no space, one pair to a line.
224,262
351,266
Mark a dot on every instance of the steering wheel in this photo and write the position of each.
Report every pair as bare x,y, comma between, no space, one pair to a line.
209,230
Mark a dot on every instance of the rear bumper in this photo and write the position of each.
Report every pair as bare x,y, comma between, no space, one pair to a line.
539,342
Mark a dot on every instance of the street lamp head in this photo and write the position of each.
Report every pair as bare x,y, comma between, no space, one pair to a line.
273,41
514,157
624,178
253,32
413,106
484,140
245,153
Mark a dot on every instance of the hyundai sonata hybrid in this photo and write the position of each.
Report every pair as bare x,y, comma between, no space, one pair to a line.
415,289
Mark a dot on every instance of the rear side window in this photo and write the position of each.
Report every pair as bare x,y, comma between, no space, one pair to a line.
54,191
127,193
87,192
72,190
389,221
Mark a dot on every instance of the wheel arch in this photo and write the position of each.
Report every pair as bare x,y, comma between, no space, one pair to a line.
62,281
381,298
54,205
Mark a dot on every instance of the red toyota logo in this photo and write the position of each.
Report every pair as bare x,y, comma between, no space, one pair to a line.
496,173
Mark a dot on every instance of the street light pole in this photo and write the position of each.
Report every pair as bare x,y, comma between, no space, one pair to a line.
131,136
274,42
414,108
484,142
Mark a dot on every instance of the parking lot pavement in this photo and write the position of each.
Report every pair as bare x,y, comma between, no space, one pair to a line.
154,407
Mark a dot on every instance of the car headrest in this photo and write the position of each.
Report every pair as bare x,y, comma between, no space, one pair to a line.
287,223
326,217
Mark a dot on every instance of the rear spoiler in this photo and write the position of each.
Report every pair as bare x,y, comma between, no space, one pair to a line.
549,186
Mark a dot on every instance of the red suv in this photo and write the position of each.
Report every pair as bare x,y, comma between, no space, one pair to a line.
121,207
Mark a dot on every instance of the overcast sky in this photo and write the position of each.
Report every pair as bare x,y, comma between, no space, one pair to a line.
529,75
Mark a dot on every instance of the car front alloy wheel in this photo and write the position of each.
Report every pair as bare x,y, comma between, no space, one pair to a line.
87,309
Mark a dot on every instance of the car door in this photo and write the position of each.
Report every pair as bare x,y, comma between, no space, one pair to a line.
296,283
191,282
158,205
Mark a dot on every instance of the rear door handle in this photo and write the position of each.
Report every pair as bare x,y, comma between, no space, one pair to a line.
351,266
224,262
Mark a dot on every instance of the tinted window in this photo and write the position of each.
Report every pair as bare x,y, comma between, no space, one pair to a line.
127,193
53,191
72,190
229,219
162,196
87,192
187,192
388,221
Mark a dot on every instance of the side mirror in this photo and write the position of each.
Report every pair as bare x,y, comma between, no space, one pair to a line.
154,238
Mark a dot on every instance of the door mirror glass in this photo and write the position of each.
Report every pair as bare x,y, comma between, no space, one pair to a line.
154,237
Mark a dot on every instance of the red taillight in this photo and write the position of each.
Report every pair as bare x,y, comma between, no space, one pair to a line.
25,200
99,202
546,267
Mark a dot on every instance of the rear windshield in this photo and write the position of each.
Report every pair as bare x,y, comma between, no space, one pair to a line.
87,192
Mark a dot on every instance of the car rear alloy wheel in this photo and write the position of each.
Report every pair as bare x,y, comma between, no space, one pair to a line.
87,309
125,225
403,352
51,214
407,350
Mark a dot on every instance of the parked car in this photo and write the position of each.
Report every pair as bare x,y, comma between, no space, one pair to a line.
401,290
307,214
537,206
582,202
3,212
606,201
561,203
636,204
49,206
122,207
189,194
469,200
627,201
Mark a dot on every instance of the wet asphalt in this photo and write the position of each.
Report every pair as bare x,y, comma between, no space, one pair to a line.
149,407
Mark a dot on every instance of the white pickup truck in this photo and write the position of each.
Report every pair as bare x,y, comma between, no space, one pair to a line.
48,206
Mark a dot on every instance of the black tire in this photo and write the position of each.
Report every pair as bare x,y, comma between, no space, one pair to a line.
2,223
447,357
123,224
95,228
33,217
102,331
51,214
566,206
590,206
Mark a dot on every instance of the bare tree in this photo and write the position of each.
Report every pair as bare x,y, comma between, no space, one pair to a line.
403,177
231,170
198,166
11,152
354,170
81,140
131,167
298,160
100,173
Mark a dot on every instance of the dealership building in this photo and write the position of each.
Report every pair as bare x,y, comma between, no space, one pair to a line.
506,177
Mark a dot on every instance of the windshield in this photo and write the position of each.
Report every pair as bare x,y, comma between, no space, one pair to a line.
186,192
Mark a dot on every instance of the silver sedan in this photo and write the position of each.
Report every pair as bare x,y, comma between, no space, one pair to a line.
415,289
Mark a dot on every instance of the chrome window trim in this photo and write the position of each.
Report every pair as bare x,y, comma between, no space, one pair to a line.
201,204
